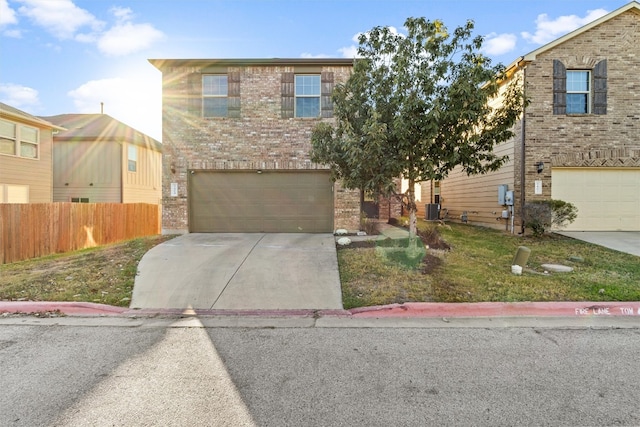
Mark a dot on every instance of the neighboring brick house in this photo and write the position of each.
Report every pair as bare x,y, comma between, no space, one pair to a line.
236,140
98,159
25,157
578,140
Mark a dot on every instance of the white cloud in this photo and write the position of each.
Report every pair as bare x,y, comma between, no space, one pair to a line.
122,14
18,96
349,51
548,29
126,38
7,15
352,50
135,100
499,44
62,18
310,55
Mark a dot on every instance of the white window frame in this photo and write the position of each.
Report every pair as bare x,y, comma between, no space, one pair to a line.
216,94
19,140
14,193
307,95
586,92
132,158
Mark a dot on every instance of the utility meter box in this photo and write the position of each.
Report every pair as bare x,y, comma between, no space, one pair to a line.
508,198
502,194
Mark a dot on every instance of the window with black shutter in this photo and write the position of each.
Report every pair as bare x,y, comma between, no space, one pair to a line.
287,95
307,94
559,88
600,88
579,91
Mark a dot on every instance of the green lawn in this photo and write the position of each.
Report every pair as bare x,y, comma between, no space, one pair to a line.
478,268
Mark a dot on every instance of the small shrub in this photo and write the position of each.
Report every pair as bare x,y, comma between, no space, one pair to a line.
540,215
368,225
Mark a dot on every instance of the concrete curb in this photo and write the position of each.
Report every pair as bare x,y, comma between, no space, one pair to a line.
407,310
66,308
500,309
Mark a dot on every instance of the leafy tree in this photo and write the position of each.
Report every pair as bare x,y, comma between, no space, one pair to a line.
416,106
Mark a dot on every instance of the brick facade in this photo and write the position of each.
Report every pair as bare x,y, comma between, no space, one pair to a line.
608,136
578,140
257,138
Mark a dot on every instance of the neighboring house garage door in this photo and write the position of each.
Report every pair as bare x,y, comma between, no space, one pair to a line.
607,199
252,202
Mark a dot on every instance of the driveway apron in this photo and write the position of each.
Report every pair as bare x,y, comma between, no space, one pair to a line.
236,271
622,241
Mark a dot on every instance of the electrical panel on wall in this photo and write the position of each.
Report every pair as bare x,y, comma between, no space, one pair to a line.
509,198
502,194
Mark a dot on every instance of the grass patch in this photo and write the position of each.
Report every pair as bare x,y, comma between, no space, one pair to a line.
103,274
477,268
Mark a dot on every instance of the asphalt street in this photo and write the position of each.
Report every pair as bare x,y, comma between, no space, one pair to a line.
298,372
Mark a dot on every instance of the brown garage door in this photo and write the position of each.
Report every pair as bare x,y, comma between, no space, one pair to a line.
268,202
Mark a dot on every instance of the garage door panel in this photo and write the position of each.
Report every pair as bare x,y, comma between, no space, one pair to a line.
607,199
273,201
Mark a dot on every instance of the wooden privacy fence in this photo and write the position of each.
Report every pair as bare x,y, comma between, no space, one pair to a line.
38,229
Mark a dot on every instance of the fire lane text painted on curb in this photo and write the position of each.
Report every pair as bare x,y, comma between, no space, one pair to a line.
607,311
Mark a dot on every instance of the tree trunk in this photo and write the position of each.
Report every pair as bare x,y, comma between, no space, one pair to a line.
413,211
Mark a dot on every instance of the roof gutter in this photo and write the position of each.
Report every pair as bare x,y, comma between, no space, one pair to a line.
30,120
240,62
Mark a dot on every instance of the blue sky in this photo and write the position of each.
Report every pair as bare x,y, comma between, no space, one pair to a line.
68,56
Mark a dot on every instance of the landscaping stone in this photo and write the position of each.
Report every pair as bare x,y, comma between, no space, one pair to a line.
341,232
557,268
343,241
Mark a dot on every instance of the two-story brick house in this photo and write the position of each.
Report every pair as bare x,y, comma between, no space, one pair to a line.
236,141
578,139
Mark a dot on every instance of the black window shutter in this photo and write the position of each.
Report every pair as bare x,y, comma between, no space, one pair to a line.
194,94
326,106
288,95
600,88
559,88
233,95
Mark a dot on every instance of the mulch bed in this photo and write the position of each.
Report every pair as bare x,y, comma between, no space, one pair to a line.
430,238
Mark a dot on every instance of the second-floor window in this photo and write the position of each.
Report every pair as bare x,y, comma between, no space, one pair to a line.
578,92
215,90
307,94
132,158
18,140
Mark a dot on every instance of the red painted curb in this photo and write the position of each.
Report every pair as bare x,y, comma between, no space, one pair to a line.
67,308
407,310
500,309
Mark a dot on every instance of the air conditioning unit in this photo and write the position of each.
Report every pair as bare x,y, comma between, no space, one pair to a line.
432,212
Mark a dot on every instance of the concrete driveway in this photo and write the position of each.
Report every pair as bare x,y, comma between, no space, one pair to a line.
622,241
240,272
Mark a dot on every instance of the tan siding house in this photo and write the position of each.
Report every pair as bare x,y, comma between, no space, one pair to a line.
25,157
97,158
579,138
